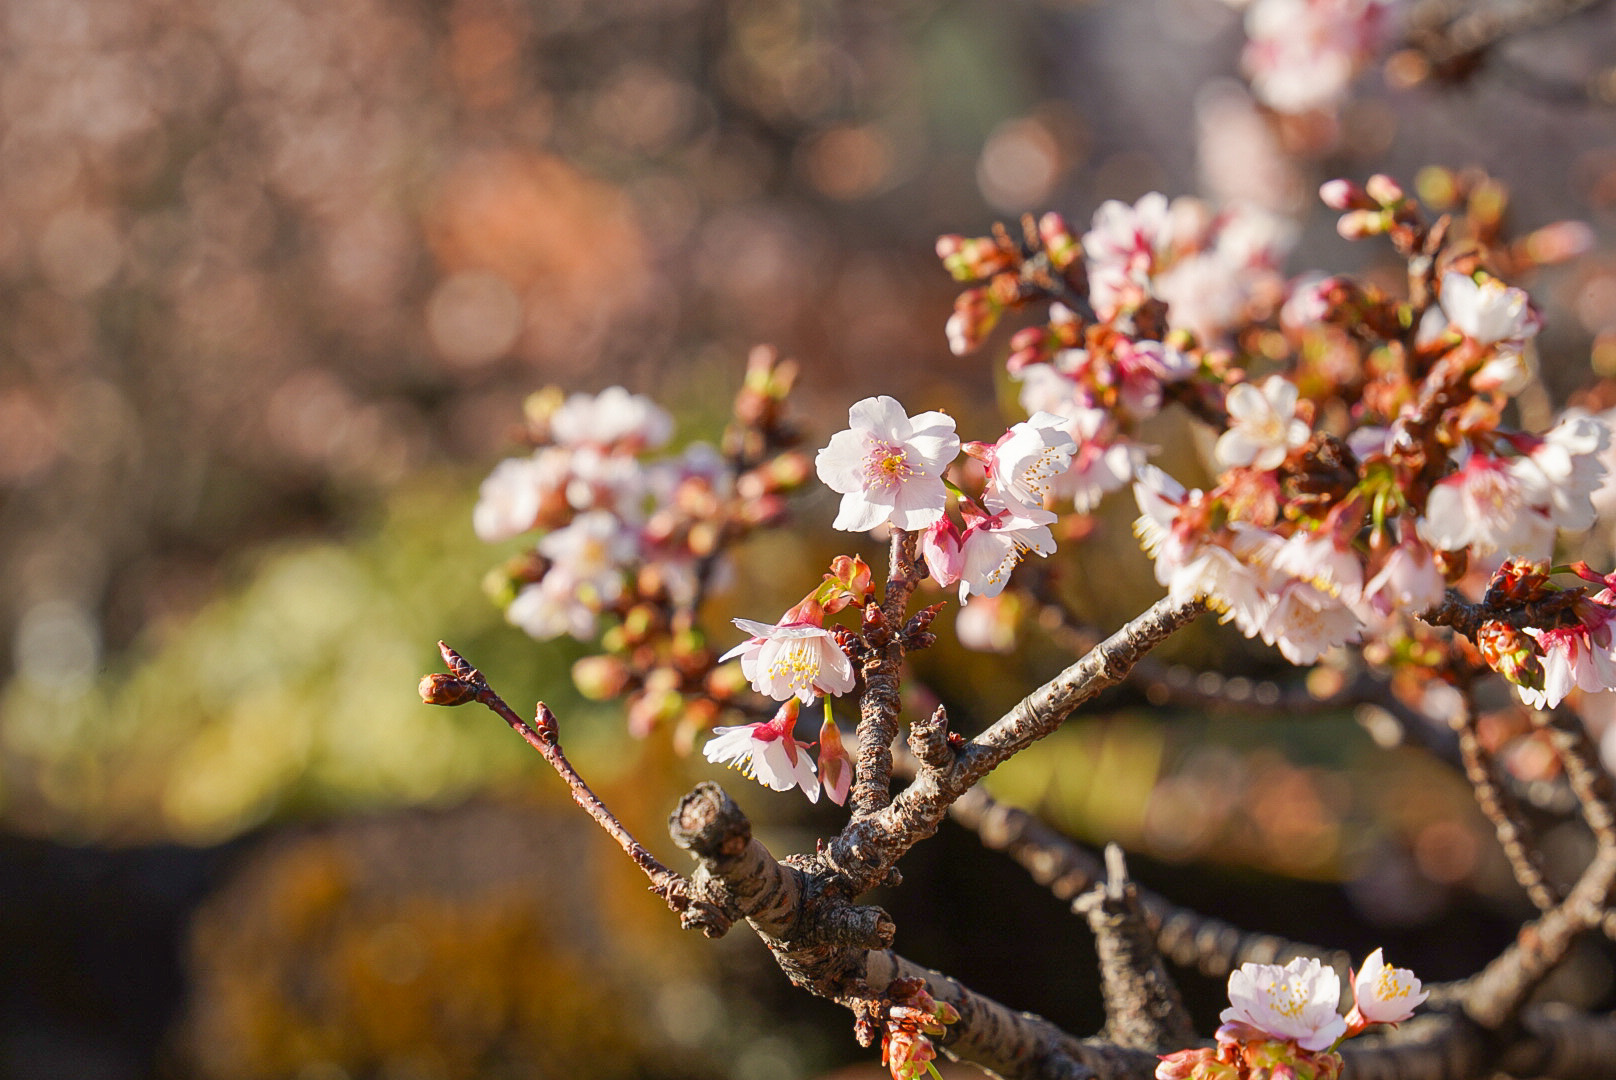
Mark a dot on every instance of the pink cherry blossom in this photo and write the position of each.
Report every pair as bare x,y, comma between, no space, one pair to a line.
1264,428
767,753
1296,1002
1383,994
888,466
795,657
1577,656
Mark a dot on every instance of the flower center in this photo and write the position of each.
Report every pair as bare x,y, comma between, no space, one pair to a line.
887,466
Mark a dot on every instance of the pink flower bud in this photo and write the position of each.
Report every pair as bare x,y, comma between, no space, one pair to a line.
1343,194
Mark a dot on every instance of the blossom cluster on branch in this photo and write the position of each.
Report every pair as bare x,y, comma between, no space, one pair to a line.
1366,483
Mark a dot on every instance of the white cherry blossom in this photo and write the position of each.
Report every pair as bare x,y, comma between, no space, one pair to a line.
614,417
767,753
796,657
1384,994
1025,464
1296,1002
1487,312
888,466
1264,428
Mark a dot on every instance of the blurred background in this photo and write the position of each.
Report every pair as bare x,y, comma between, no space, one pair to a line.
275,278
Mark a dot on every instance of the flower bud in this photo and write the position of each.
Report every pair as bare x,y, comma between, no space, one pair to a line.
441,689
1344,195
1059,243
1384,190
1360,224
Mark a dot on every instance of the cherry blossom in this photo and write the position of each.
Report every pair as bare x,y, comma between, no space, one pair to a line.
1383,994
1576,656
888,466
509,500
1484,506
1322,560
1305,621
1264,428
552,607
1563,469
591,552
1408,580
992,545
1487,312
795,657
1296,1002
1025,463
767,752
1302,55
614,417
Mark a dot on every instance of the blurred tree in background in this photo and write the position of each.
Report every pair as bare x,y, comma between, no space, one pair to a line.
275,280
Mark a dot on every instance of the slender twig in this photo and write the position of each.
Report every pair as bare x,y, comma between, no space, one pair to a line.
465,683
1589,780
1068,870
1499,808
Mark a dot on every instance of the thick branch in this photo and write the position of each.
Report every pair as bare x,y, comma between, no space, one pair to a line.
1495,995
1012,1044
1189,939
1143,1008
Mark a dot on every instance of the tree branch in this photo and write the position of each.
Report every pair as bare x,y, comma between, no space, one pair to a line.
869,846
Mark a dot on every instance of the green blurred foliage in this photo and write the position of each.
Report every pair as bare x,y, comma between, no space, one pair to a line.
291,693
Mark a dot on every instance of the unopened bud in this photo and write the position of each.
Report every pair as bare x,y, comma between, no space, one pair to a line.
441,689
1360,224
1384,190
1059,243
1343,194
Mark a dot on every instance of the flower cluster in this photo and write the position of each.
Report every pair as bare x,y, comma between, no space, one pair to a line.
635,540
1287,1021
